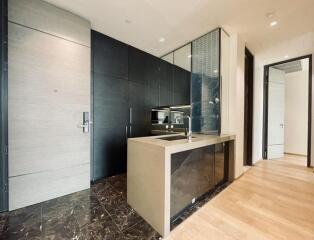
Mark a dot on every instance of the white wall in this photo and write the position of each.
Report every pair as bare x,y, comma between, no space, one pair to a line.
296,112
296,47
236,98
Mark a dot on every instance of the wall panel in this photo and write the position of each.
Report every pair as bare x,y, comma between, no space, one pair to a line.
49,89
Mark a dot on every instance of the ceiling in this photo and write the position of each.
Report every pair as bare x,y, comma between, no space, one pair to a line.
290,67
294,66
141,23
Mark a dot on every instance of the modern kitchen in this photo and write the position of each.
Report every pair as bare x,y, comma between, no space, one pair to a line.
160,123
145,136
128,120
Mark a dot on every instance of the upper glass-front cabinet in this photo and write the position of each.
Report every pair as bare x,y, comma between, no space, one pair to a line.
181,57
207,59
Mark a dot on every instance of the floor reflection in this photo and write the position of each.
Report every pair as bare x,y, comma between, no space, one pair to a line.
100,213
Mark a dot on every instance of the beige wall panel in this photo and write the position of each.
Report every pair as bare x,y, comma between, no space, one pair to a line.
49,89
45,17
38,187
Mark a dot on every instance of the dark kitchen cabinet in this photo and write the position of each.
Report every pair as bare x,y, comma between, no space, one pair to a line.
196,172
192,175
152,84
166,84
181,86
221,167
127,84
144,70
143,91
110,108
109,56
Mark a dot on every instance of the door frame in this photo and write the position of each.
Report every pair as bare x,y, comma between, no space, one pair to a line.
248,110
265,106
4,205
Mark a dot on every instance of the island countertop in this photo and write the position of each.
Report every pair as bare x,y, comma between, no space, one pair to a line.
198,140
149,172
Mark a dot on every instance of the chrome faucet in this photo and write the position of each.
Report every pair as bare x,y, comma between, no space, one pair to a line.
189,133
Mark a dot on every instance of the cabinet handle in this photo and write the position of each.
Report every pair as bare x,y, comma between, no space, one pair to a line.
130,131
126,133
131,115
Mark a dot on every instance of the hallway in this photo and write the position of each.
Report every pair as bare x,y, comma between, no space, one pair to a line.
273,200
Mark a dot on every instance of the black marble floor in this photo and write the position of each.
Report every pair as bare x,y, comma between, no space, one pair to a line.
98,213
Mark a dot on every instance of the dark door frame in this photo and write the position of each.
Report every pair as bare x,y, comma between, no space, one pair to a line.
4,107
248,108
265,106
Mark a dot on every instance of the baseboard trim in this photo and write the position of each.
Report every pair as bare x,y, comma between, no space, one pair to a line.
295,154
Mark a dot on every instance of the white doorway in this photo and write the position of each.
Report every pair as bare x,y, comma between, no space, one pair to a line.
287,108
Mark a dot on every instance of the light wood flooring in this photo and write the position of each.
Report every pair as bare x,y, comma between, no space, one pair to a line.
272,200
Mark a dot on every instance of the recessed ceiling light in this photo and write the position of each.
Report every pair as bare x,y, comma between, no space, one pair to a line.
270,14
273,23
189,56
162,39
286,56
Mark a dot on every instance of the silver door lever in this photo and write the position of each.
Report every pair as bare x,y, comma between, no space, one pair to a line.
85,124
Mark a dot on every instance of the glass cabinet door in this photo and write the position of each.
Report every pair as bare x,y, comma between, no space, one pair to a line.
192,175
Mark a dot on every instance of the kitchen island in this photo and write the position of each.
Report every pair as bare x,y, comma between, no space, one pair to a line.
166,174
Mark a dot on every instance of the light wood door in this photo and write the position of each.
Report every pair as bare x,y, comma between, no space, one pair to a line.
49,89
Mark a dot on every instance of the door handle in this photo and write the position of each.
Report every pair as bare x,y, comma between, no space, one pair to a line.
85,125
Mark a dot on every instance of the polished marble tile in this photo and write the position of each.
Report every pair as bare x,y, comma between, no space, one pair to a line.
141,231
90,212
108,196
100,213
24,223
119,183
63,227
104,229
124,216
3,220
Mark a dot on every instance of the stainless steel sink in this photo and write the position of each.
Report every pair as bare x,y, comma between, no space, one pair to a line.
174,138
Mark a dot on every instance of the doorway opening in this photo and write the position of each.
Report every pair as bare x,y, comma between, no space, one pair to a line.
287,109
248,107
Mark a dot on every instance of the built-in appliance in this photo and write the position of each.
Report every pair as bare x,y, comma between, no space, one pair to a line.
160,116
172,115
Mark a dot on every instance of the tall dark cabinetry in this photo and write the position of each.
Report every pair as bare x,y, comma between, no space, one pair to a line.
127,84
143,91
110,105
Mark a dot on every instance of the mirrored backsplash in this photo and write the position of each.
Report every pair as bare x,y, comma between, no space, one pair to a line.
172,115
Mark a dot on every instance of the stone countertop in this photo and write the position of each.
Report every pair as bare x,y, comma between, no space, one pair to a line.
198,140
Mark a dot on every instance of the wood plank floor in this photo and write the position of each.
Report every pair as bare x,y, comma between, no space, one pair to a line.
272,200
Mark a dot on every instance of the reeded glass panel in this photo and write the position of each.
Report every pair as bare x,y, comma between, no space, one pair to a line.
206,84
